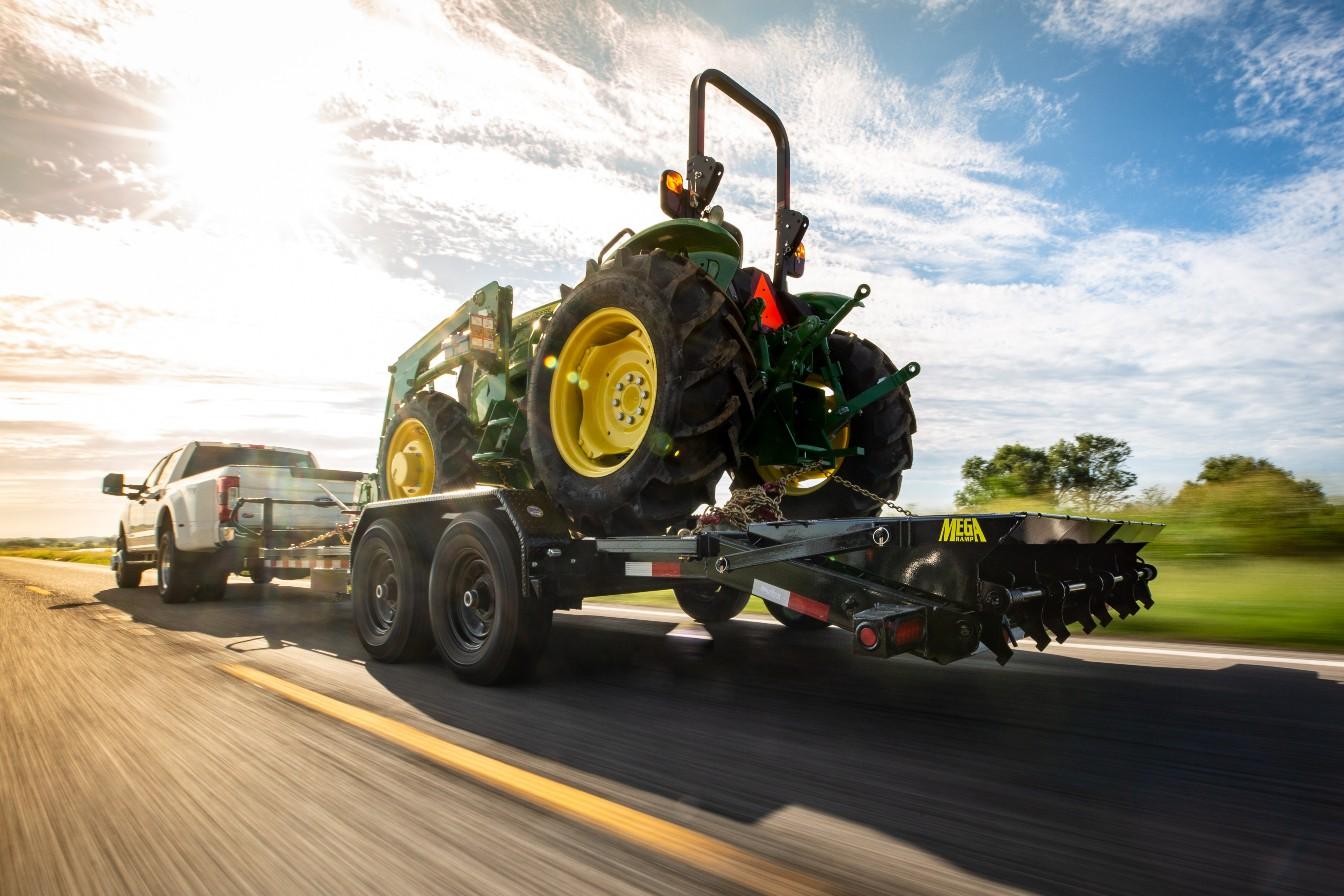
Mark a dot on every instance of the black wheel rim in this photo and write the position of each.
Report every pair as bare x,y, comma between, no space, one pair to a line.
471,601
385,597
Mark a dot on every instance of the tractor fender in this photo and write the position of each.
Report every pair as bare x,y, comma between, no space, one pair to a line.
710,246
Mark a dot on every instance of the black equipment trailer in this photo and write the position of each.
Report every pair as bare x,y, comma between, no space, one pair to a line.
478,573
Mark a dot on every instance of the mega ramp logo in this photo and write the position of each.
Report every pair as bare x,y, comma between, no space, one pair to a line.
961,529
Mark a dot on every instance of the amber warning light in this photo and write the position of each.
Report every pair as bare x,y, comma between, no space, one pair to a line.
672,194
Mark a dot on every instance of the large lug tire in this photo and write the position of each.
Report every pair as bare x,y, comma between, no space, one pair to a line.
708,603
427,448
793,619
883,430
177,575
487,629
387,586
618,456
128,575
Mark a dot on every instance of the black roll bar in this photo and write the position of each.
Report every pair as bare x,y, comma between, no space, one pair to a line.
744,98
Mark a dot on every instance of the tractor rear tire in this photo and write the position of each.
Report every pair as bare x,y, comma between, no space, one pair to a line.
710,603
793,619
883,430
654,316
427,448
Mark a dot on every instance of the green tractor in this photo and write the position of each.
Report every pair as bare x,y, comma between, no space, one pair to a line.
668,366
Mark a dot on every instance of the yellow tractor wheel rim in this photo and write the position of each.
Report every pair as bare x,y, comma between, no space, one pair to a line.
410,461
814,479
602,397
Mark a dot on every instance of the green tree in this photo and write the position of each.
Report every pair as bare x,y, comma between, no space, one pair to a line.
1089,472
1015,471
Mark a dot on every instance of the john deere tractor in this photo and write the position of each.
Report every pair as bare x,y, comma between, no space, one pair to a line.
667,366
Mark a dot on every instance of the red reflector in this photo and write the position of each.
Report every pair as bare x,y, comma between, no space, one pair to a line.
771,318
867,637
909,632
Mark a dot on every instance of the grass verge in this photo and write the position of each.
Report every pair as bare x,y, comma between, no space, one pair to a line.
1258,601
93,556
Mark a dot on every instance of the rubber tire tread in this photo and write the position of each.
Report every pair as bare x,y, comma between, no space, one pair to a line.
127,576
411,637
452,435
522,624
793,619
710,603
883,430
183,579
703,369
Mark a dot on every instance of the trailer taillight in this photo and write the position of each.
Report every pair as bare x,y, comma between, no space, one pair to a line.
227,489
868,636
909,632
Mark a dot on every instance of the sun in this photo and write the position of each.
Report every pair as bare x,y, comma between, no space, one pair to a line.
253,158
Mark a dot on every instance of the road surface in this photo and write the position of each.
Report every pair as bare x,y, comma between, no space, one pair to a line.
147,748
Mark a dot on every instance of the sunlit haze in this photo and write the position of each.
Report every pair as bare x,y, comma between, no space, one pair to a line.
224,221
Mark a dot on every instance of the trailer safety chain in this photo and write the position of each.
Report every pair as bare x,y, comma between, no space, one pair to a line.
762,503
339,532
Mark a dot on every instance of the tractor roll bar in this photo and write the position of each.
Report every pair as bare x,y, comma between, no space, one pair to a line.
789,226
744,98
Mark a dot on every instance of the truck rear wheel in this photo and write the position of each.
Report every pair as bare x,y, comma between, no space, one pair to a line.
128,576
882,430
486,628
177,577
637,394
427,448
388,596
710,603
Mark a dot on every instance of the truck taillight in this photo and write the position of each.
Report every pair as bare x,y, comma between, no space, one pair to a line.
226,491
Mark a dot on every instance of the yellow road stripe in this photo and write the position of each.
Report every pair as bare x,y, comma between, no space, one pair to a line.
682,844
36,590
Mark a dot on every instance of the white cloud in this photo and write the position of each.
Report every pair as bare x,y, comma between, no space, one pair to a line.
1138,26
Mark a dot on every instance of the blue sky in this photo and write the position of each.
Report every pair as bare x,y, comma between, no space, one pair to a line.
1120,217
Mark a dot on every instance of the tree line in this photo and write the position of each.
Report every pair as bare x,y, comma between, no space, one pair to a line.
1236,504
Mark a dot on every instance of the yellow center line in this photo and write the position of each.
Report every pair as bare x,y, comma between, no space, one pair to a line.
36,590
701,851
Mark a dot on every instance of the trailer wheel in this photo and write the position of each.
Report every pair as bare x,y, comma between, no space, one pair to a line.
128,576
177,577
882,430
710,603
427,447
388,596
261,575
486,628
793,619
637,394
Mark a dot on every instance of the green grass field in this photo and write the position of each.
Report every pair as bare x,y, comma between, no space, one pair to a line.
1254,601
94,556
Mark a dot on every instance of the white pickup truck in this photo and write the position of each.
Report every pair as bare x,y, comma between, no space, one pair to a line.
200,514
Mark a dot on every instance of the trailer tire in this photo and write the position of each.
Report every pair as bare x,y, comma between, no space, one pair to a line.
793,619
128,575
618,456
177,576
487,629
261,575
710,603
427,448
883,430
387,587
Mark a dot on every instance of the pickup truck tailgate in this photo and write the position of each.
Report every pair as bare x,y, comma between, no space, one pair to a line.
293,484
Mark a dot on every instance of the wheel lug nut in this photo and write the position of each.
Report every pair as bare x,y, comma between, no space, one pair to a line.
639,381
620,417
639,411
620,387
644,393
615,402
630,378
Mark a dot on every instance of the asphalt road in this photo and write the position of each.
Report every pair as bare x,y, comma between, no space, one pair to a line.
130,762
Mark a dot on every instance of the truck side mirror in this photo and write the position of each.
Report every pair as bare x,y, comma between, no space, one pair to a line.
114,484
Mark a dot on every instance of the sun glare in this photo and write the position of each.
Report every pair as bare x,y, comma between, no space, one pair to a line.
253,159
